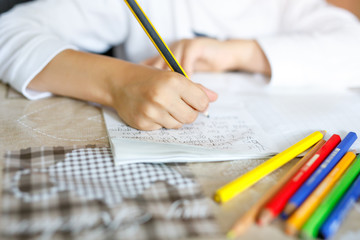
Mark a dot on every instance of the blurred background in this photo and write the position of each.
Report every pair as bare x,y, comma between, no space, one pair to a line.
351,5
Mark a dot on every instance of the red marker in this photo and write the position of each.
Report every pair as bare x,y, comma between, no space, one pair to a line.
274,207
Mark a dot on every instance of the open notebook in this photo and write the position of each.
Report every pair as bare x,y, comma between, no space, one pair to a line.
250,120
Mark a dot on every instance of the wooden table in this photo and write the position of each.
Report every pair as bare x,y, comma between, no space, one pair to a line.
61,121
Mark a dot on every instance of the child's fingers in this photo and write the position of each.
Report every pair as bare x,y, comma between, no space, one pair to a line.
146,126
168,121
183,113
211,94
194,96
154,118
172,111
140,122
162,117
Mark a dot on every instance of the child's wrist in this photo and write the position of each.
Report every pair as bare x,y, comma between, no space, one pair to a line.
116,73
119,74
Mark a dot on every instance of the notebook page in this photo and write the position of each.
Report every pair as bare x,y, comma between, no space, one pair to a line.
225,135
294,116
288,114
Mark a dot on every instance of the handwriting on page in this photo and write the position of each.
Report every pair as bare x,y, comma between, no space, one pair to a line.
217,132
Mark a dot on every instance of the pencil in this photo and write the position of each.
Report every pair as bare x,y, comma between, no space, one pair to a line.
235,187
299,217
155,37
313,224
250,216
274,207
319,174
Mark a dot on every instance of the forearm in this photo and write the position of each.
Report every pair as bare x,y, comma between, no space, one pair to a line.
32,34
247,55
80,75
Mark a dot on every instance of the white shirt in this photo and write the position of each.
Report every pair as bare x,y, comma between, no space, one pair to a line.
306,41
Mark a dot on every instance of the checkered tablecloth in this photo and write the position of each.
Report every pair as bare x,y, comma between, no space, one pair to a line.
78,192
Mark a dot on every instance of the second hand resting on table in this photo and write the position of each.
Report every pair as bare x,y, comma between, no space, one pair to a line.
148,98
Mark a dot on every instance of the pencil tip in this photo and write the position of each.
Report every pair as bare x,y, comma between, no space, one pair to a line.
290,230
217,198
206,114
265,217
288,210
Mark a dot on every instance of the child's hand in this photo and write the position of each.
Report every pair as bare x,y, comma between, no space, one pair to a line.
153,98
145,98
211,55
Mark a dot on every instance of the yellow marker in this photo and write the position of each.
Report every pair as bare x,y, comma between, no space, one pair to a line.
300,216
248,179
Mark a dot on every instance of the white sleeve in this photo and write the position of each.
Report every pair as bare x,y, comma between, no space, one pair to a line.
34,33
317,44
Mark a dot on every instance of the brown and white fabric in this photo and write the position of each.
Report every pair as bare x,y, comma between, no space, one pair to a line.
78,192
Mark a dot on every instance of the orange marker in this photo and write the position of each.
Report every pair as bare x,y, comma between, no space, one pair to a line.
250,216
274,207
299,217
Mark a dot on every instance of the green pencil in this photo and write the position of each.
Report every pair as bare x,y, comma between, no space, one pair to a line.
311,227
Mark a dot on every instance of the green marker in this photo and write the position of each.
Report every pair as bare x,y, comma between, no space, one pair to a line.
311,227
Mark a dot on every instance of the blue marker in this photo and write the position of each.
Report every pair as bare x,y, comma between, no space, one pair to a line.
332,223
320,173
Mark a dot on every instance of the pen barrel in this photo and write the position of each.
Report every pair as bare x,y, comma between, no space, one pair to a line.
248,179
278,203
322,171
